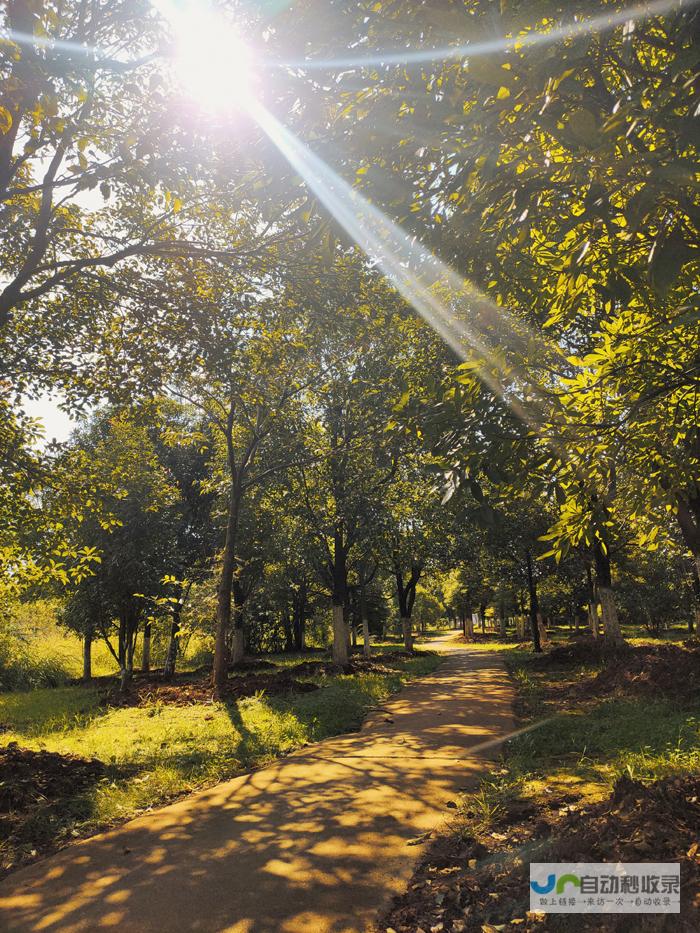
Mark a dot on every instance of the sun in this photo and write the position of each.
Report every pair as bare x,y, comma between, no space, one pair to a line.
213,64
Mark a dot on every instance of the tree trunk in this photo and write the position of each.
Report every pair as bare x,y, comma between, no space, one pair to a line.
87,655
608,610
608,615
406,596
339,598
340,639
128,627
171,654
366,650
696,594
237,645
299,617
146,653
592,608
224,592
407,633
534,604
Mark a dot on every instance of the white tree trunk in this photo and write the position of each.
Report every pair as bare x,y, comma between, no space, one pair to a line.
608,611
366,650
237,646
593,621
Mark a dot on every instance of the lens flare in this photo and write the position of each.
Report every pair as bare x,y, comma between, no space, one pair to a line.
572,30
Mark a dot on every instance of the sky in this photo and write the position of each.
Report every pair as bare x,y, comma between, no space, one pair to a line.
57,424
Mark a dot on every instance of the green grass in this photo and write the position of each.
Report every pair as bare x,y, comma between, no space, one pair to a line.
580,744
157,752
35,651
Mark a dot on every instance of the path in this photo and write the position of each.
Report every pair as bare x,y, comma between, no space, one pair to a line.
317,841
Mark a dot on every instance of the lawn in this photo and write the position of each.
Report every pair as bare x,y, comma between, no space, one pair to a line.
155,752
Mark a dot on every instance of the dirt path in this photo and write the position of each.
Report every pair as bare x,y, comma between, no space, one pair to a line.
317,841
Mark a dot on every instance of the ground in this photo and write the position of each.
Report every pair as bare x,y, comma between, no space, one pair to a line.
611,772
161,741
314,841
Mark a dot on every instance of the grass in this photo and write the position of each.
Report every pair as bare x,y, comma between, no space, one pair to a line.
581,746
157,752
37,652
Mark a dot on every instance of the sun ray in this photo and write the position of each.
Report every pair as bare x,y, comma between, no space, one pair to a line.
572,30
469,322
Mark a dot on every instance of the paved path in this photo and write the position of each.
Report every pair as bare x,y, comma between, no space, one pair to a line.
318,841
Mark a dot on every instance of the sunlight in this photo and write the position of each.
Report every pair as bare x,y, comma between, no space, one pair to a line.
525,39
468,321
212,62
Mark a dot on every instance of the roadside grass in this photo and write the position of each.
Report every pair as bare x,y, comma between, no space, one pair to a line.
581,743
157,752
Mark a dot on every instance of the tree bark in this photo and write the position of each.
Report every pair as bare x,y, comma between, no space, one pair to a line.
225,590
696,593
407,633
406,596
146,653
592,608
366,650
171,654
128,627
339,598
87,655
688,516
606,597
340,640
534,604
299,617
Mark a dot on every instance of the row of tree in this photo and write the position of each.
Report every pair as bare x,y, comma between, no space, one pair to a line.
268,411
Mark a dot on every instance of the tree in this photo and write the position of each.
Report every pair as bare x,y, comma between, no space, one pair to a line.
132,532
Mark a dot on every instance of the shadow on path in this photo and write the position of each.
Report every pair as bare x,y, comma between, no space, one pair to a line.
318,841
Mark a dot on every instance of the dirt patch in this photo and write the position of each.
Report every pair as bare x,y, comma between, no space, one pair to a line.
583,650
189,692
509,638
252,664
662,670
358,664
476,883
29,778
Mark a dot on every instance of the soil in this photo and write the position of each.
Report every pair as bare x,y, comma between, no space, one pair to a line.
380,664
662,670
186,691
32,778
581,650
252,664
480,883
